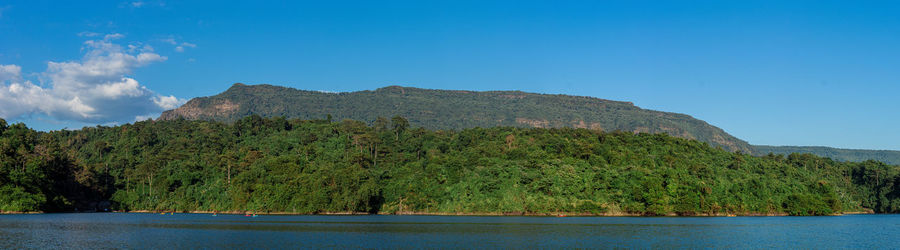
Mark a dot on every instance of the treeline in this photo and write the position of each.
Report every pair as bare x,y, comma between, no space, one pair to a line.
318,166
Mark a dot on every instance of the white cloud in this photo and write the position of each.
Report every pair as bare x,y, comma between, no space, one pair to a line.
88,34
10,72
169,41
141,118
168,102
180,48
141,4
21,98
95,88
113,36
138,48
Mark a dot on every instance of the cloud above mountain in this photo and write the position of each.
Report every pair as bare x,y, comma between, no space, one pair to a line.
97,88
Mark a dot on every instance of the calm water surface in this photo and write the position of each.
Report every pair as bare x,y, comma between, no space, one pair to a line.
127,230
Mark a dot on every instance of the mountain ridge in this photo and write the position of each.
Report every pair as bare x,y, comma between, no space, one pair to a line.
452,109
459,109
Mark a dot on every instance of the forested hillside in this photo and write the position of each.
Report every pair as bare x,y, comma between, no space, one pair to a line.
318,166
451,109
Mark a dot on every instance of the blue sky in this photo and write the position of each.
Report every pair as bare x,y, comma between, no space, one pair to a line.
769,72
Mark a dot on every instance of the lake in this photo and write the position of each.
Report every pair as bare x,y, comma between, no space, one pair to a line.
135,230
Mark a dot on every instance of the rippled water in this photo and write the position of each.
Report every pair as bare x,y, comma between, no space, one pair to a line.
128,230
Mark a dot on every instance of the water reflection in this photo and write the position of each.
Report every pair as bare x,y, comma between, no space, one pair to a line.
119,230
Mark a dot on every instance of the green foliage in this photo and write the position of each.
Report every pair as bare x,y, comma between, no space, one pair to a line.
802,204
31,171
13,198
318,166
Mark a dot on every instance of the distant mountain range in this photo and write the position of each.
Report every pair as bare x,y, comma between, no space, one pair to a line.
457,109
855,155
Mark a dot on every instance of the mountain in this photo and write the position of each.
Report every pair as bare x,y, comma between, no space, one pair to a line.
452,109
457,109
854,155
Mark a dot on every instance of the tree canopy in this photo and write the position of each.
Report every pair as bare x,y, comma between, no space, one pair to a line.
318,166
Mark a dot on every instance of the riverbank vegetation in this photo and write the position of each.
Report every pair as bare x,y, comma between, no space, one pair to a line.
320,166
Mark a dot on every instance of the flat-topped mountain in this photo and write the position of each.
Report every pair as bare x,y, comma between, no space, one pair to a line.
452,109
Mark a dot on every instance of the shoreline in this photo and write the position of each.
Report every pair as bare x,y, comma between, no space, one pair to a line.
18,212
422,213
559,214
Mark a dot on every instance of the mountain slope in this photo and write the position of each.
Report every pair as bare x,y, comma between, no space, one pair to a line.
450,109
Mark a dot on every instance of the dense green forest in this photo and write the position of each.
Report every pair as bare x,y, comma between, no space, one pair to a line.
451,109
387,166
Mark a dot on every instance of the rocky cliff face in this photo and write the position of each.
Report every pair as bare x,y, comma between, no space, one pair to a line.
202,109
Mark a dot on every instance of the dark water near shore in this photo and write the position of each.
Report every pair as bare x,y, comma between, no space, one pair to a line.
125,230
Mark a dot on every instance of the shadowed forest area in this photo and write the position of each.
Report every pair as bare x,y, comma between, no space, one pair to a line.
386,166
